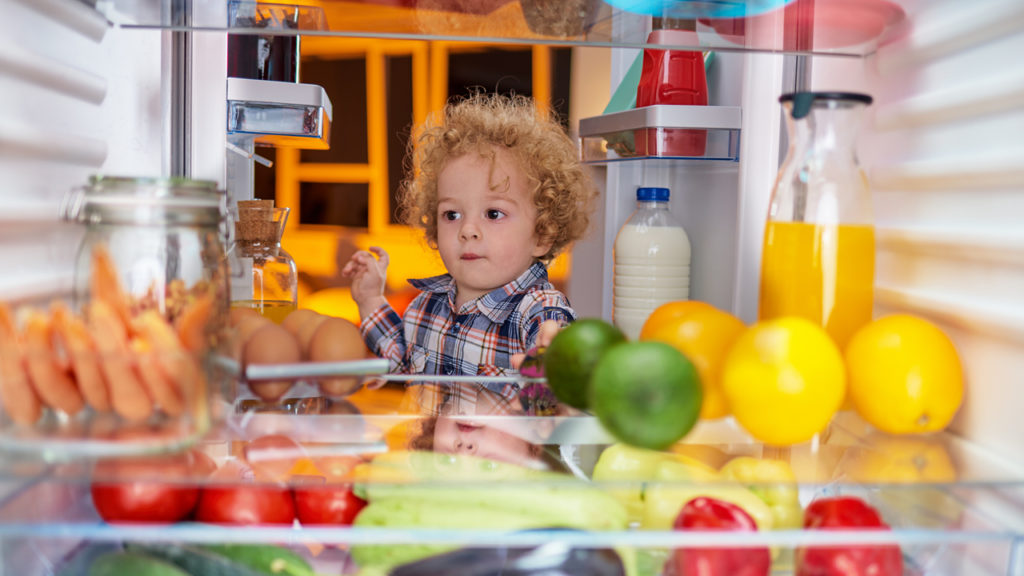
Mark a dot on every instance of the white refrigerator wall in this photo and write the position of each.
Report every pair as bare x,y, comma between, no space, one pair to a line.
76,98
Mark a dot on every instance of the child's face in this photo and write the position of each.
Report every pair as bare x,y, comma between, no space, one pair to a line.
485,229
457,435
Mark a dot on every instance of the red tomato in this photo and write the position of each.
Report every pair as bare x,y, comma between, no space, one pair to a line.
246,504
331,504
155,489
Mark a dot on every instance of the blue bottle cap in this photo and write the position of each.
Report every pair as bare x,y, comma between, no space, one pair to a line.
652,194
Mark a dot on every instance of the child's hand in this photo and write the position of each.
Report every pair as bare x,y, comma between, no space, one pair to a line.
545,335
368,275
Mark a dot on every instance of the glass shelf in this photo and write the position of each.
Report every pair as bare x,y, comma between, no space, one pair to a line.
949,503
662,132
836,27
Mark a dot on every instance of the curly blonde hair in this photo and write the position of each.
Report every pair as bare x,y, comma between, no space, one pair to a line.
483,123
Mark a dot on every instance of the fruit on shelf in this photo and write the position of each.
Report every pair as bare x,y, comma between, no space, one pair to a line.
572,355
784,379
155,489
704,334
846,513
646,394
905,375
703,513
327,504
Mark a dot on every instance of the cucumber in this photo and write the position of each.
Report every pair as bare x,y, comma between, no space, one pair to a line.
271,560
121,563
194,561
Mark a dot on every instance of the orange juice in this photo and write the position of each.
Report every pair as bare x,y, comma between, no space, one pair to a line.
825,274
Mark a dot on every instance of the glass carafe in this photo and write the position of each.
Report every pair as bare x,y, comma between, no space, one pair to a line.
264,276
818,256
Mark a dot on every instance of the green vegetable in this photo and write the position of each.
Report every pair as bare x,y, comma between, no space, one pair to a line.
122,563
271,560
444,491
194,560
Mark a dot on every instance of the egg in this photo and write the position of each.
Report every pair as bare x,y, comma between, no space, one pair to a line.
306,331
239,333
237,314
271,344
297,319
337,340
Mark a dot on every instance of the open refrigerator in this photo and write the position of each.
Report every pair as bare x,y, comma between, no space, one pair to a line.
142,88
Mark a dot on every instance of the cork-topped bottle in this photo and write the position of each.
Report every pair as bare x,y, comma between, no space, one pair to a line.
263,275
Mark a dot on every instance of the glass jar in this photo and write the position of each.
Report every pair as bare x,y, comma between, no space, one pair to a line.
818,257
122,370
263,275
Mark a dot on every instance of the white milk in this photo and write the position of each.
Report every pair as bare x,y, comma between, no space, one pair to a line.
652,267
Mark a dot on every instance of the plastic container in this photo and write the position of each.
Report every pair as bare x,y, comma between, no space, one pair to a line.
652,262
121,370
672,77
818,258
263,275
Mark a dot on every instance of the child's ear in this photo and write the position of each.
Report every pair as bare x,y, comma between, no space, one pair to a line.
542,246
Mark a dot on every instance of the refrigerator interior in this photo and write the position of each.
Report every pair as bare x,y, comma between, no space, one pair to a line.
84,93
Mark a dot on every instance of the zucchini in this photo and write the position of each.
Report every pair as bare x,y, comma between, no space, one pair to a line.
121,563
194,561
267,559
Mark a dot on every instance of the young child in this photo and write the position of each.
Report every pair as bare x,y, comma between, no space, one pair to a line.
499,191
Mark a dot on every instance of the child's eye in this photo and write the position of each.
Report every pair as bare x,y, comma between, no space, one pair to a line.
493,214
450,215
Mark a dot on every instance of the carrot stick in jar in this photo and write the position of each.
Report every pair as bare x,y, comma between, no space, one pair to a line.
19,399
127,394
53,385
158,385
77,342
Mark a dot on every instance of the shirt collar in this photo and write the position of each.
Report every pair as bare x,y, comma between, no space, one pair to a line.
495,305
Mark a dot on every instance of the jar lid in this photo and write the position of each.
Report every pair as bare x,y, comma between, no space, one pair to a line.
802,101
132,200
650,194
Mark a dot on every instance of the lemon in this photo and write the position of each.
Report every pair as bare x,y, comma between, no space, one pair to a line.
646,394
784,379
704,334
905,375
572,355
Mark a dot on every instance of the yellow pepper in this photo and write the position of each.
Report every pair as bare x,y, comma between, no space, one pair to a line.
676,483
773,482
627,469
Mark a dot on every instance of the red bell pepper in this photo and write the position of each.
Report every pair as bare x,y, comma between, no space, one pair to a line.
846,513
705,513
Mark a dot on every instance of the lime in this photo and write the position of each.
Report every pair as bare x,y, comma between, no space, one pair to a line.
646,394
572,355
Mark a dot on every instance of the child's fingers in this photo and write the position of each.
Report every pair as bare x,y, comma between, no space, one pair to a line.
382,256
546,333
516,360
358,263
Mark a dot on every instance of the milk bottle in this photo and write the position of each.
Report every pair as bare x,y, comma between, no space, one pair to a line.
652,262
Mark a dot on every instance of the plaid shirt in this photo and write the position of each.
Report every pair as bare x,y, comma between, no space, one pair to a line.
479,339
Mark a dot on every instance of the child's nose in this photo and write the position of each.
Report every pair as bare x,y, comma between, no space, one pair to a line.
469,231
465,446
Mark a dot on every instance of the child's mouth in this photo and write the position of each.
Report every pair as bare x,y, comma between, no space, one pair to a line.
470,256
466,427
